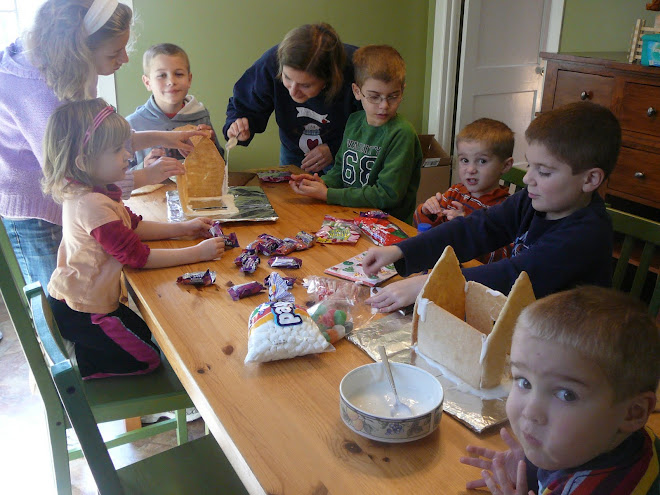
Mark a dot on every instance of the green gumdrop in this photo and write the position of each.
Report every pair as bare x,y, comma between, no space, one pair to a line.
322,327
340,317
321,310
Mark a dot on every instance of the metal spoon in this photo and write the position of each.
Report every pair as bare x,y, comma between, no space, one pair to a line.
399,409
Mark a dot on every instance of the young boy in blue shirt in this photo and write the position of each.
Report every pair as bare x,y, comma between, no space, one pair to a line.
561,232
166,73
378,162
585,370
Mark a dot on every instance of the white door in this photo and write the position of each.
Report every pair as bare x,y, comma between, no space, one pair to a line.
501,74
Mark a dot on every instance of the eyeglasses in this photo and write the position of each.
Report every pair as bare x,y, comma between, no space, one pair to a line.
377,99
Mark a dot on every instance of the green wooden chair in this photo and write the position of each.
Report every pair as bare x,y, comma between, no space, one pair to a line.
198,466
641,238
110,399
514,177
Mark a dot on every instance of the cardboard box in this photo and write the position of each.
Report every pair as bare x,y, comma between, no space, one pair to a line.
436,168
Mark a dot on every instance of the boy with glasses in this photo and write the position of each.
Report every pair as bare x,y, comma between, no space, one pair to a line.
378,163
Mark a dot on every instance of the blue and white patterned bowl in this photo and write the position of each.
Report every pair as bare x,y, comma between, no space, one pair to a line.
366,400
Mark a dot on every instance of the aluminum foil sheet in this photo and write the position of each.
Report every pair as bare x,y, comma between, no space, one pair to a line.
394,331
251,201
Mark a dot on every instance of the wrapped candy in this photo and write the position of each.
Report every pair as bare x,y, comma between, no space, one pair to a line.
243,290
197,278
290,281
338,230
268,244
374,214
238,261
304,240
279,329
250,264
381,232
288,246
285,262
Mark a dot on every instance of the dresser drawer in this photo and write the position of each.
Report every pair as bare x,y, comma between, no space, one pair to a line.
639,112
577,86
626,176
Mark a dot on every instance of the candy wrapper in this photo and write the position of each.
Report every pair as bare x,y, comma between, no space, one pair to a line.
290,281
288,246
304,240
197,278
274,176
279,329
240,259
250,264
244,290
285,262
374,214
267,244
338,230
381,232
336,306
231,241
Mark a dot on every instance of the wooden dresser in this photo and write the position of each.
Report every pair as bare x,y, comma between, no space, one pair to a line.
632,92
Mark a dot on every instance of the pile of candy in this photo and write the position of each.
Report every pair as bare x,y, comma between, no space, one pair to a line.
268,245
332,322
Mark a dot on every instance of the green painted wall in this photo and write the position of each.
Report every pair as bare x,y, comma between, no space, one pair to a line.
601,25
223,38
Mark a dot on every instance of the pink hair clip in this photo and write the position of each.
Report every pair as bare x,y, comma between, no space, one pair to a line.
100,117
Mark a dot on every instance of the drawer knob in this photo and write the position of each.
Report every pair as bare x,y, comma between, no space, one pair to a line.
651,112
639,175
584,95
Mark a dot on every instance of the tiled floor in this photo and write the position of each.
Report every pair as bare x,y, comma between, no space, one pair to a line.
25,466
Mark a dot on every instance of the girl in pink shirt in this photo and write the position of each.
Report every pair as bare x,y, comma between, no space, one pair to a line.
85,155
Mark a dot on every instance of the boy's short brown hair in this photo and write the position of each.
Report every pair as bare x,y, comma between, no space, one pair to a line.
606,326
583,135
162,49
494,134
381,62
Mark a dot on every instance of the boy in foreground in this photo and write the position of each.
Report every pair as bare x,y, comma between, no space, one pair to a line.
166,73
585,370
485,152
378,163
560,230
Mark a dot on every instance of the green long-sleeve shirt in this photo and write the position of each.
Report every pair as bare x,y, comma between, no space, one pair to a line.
377,167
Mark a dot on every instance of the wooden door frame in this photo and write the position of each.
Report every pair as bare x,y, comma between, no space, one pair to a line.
447,27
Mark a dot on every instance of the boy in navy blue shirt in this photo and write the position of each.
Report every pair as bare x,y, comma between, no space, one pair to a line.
561,232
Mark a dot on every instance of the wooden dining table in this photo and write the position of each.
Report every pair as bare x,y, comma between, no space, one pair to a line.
278,423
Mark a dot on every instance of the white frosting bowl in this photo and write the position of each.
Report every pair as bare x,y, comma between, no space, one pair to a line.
366,401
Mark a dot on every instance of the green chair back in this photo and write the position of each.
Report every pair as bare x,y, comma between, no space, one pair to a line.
194,467
514,177
641,238
111,399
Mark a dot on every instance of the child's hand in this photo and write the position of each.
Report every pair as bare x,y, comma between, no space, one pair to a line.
452,213
197,227
207,129
240,129
376,258
398,294
498,481
211,249
313,187
317,159
153,156
163,168
432,205
505,469
180,140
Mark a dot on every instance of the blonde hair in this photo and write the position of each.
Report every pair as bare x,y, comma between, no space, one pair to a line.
607,327
317,50
381,62
60,48
63,144
495,135
163,49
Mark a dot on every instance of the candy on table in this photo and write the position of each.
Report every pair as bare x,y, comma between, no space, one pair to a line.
250,264
332,322
245,253
290,281
374,214
285,262
288,246
197,278
338,230
304,240
381,232
267,244
243,290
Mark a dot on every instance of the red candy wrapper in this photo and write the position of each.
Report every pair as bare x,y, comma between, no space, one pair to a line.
285,262
374,214
338,230
197,278
381,232
288,246
243,290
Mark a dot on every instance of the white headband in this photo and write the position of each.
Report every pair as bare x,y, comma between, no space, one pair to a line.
98,14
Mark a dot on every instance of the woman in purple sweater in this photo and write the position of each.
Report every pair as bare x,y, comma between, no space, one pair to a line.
71,43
